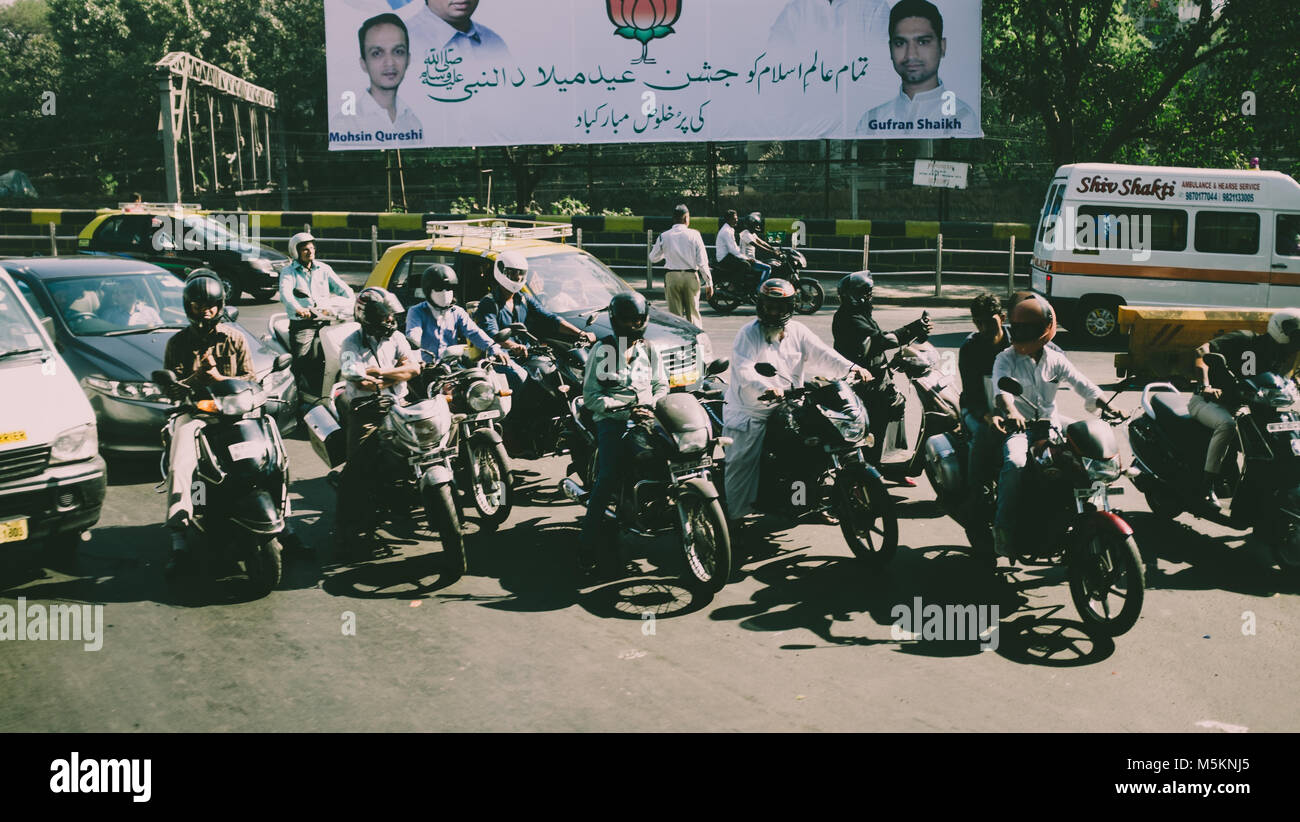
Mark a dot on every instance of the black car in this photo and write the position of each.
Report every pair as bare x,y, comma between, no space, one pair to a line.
179,241
111,320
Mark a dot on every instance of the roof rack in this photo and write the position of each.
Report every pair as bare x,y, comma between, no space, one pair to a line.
154,208
494,230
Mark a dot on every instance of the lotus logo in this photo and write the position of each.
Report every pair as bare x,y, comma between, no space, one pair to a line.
643,21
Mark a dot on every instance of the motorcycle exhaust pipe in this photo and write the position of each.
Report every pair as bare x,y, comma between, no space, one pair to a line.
573,491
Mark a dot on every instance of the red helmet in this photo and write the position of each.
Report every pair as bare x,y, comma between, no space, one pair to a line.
1032,325
775,302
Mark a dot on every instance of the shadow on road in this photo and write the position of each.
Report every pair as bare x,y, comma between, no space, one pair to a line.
1241,564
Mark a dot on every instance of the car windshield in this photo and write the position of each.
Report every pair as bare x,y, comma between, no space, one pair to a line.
572,282
17,333
130,303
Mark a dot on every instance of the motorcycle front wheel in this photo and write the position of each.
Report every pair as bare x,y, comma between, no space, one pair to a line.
867,516
445,519
1106,582
489,482
706,543
723,301
809,296
265,568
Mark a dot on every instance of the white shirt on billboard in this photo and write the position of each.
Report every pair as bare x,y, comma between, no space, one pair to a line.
808,24
891,115
429,32
371,117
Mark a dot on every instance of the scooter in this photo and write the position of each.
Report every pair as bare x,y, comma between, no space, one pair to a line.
669,486
813,460
1063,514
1169,452
940,398
240,492
334,323
730,291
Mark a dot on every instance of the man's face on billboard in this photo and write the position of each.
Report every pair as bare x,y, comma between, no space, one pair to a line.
385,56
916,51
455,12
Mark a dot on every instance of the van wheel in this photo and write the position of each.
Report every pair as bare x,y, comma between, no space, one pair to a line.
1101,319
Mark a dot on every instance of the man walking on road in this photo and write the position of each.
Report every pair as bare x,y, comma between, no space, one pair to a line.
687,259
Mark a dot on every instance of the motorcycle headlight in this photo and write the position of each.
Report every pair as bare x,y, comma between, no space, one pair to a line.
850,426
1102,470
125,389
75,444
480,396
801,260
1278,397
237,405
689,442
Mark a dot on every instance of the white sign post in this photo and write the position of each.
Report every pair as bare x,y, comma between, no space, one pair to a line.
938,174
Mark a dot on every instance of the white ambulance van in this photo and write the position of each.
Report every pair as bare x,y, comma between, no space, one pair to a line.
1112,235
52,480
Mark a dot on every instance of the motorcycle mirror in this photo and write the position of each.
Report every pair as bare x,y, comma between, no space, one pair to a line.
165,377
765,369
232,313
717,367
518,327
1011,386
1218,360
281,362
503,335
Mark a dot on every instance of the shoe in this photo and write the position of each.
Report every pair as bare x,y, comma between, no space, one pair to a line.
1208,486
1002,543
181,556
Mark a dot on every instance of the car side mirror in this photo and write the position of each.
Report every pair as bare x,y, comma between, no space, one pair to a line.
765,369
1011,386
165,378
232,313
281,362
718,366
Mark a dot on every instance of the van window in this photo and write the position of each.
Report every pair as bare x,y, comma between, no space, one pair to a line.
1227,232
1113,224
1288,235
1051,208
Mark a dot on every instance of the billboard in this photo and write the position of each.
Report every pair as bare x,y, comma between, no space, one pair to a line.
426,73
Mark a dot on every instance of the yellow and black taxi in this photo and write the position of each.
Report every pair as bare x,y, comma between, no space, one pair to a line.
180,237
566,280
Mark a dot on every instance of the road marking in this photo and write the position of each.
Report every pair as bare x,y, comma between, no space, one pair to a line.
1222,726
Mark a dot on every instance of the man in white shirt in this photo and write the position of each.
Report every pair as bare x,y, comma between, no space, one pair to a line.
916,46
731,262
1039,367
682,248
795,352
443,31
385,57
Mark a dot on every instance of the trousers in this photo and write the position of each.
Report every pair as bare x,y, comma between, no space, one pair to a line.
182,459
596,530
682,292
743,465
1219,420
308,359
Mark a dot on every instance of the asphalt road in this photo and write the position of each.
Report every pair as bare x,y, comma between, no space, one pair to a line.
800,640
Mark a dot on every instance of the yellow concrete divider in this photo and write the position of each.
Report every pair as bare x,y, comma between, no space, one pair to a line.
1161,340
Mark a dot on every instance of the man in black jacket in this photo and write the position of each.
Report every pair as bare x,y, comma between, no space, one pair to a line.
975,364
858,336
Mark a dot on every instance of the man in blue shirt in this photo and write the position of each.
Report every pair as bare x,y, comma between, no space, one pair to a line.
438,322
306,284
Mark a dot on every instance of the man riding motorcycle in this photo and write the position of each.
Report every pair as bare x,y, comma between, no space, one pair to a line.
307,284
858,336
437,322
1244,352
794,351
374,359
625,377
751,240
975,365
1039,367
205,352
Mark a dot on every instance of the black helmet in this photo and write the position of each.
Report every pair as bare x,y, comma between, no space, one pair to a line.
855,289
438,277
753,221
376,309
628,313
203,290
775,303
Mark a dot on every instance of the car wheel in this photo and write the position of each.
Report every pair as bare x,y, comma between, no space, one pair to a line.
1100,320
231,286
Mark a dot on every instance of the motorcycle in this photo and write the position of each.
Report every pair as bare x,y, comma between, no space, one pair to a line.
416,453
813,460
241,498
1063,511
732,289
542,423
669,486
1169,451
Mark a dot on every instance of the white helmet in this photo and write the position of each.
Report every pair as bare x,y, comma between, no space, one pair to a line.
1284,325
510,270
297,240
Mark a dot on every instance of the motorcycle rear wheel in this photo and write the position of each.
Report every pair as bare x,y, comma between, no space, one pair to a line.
723,301
444,518
867,516
706,542
489,482
1097,570
265,568
809,296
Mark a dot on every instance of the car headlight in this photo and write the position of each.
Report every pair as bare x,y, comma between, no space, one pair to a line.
125,389
75,444
280,265
480,396
850,426
1100,470
262,264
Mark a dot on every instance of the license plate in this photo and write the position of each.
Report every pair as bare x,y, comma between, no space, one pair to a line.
245,450
485,415
13,530
689,378
1038,281
1277,427
13,436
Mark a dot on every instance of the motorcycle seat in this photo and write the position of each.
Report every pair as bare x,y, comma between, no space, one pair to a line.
1170,407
